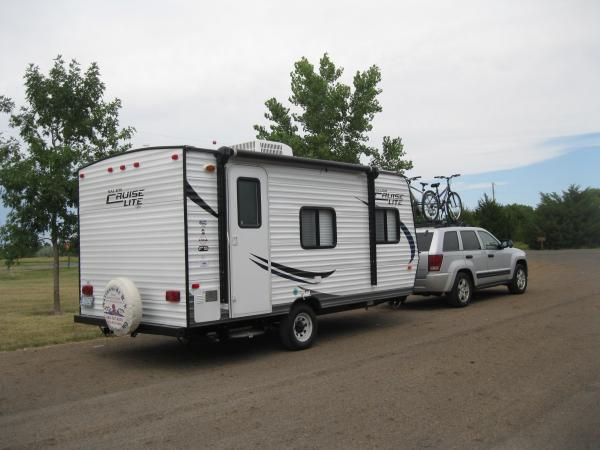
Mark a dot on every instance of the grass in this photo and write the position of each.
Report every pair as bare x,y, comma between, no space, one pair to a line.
26,303
38,261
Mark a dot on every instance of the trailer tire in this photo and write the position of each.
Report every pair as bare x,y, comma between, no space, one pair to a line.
122,306
298,329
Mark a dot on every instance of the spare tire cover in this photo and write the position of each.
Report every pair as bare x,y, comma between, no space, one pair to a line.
122,306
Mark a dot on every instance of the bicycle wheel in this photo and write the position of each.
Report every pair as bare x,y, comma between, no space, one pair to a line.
430,205
454,206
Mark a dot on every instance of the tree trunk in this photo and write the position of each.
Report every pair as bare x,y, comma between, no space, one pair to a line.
56,270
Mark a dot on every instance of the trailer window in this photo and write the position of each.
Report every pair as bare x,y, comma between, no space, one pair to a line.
248,198
387,226
317,228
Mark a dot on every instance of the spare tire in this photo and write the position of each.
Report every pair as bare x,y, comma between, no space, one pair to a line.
122,306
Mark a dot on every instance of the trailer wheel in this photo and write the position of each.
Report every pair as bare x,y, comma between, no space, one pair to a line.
298,329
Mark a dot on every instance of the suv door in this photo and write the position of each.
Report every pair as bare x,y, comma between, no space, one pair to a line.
475,257
498,260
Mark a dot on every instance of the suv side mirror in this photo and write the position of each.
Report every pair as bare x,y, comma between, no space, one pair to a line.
506,244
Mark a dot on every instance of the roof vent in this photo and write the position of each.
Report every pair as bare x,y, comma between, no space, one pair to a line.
271,148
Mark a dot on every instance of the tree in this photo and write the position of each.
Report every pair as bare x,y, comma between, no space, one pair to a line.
66,122
490,215
570,220
520,224
391,156
333,119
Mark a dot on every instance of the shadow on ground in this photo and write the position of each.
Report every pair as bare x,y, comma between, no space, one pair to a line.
417,302
168,353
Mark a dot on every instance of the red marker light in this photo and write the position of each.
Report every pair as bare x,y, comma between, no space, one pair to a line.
110,170
172,296
195,285
81,176
174,156
136,164
122,167
87,290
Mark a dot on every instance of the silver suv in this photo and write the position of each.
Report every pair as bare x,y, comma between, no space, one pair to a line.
454,261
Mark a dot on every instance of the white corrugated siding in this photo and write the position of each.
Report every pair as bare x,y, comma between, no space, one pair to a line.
145,244
203,265
290,188
394,265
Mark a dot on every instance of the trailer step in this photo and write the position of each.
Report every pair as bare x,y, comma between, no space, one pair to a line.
247,332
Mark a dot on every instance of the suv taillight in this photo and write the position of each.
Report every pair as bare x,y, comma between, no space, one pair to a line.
435,262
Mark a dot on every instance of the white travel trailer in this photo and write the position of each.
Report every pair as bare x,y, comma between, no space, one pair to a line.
183,241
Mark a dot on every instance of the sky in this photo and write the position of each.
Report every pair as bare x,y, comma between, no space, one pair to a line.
504,92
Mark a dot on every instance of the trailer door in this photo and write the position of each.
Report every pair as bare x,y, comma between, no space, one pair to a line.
250,277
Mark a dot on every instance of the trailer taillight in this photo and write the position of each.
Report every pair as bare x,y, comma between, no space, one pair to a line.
195,285
435,262
172,296
136,164
87,290
109,170
122,167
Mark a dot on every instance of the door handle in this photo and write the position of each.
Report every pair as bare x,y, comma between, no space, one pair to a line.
469,256
490,256
234,240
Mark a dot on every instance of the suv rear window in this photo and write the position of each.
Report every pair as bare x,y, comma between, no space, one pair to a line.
450,241
424,241
469,240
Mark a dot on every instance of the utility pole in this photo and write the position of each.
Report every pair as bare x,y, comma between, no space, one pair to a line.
493,191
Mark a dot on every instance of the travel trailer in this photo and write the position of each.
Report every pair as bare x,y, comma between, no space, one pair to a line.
184,241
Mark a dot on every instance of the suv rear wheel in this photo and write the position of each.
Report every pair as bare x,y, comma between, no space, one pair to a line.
462,292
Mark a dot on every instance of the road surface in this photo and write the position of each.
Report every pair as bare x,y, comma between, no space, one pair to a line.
506,372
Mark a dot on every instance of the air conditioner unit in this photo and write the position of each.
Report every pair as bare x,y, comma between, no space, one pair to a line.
259,145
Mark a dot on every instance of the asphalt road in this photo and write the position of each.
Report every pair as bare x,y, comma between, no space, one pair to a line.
506,372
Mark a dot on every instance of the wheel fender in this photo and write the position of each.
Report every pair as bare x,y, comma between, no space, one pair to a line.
122,306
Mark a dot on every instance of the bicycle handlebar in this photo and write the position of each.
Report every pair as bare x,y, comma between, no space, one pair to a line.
447,178
414,178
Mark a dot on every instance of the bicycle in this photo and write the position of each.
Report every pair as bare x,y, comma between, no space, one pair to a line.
436,204
415,204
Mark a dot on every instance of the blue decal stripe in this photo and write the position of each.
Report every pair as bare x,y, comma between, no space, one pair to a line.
410,239
193,196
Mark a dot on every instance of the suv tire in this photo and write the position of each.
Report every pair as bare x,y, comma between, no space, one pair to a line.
518,284
462,292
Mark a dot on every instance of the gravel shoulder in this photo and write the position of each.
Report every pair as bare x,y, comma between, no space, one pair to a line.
506,372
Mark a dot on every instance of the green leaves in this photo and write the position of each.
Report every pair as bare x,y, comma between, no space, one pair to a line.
391,157
65,122
330,119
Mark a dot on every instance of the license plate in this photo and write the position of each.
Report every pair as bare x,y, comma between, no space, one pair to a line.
87,301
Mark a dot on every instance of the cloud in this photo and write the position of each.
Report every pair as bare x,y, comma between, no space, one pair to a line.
460,186
471,87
